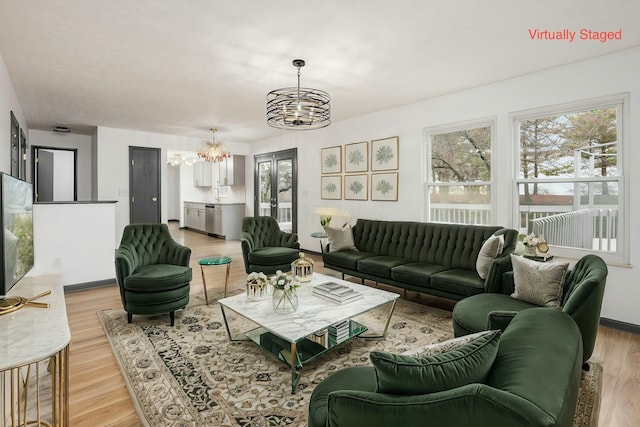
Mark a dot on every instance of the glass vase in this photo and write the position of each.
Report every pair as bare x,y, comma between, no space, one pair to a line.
530,250
284,302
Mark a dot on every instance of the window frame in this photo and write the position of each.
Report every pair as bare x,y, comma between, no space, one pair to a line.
621,103
491,123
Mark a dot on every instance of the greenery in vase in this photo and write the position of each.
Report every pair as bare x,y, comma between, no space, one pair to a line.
284,282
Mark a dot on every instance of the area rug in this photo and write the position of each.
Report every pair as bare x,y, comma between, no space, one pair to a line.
192,375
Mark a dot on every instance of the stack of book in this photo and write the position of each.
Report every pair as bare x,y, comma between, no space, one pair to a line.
336,293
339,331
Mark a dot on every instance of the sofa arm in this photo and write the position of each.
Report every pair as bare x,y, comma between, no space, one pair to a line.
499,319
246,243
177,254
494,281
126,262
473,404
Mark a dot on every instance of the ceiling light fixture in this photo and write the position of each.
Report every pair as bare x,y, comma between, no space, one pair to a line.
298,108
61,129
212,151
178,160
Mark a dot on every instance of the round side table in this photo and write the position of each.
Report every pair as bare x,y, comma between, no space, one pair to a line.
214,260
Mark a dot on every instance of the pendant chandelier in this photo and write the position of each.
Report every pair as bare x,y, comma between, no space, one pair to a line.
212,151
298,108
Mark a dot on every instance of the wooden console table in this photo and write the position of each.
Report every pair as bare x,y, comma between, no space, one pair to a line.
34,352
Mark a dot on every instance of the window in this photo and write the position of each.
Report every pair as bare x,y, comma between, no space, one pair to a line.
459,173
570,180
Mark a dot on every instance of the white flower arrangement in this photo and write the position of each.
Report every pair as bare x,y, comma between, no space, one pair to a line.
532,240
257,278
284,282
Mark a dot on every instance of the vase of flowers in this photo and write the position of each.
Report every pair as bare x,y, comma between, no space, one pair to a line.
285,297
257,286
531,242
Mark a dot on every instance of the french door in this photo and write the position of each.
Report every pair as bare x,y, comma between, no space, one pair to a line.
276,187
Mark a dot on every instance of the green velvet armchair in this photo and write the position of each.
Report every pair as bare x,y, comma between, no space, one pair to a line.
152,271
266,248
583,291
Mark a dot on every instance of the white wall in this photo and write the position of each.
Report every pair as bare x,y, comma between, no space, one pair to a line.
112,173
606,75
8,102
173,192
81,143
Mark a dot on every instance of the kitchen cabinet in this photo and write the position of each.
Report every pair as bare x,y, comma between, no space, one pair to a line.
202,174
232,171
227,222
194,216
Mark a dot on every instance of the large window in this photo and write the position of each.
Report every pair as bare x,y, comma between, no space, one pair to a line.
570,178
459,173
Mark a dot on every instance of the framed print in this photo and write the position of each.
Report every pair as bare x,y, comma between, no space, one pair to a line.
331,158
384,186
331,187
384,154
356,157
355,187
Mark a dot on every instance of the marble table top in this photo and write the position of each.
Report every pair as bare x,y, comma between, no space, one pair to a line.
314,313
31,334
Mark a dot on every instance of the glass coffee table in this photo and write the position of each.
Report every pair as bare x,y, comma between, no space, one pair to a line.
300,337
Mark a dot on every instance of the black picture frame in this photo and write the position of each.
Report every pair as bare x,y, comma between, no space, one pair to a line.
15,146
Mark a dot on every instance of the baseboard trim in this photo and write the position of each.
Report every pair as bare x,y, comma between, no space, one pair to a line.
623,326
88,285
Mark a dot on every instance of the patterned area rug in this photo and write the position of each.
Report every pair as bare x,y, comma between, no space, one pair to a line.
191,375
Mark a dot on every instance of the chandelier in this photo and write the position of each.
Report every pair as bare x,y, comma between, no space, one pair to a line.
213,152
298,107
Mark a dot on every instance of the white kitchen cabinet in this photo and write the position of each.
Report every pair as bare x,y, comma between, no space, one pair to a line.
202,174
194,216
232,171
228,220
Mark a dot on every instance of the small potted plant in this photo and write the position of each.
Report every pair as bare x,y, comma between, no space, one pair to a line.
285,298
531,242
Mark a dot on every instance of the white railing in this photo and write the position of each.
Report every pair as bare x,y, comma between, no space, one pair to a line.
460,214
594,228
285,214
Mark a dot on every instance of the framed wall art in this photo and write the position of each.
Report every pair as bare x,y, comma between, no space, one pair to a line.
15,146
384,154
356,157
331,158
331,187
23,156
384,186
355,187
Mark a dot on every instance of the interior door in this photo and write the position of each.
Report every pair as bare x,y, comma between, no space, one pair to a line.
275,181
144,185
44,176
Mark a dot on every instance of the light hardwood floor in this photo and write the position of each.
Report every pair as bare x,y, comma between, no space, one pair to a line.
99,397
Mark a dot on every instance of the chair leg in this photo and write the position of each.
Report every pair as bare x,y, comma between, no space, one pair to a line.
172,316
129,317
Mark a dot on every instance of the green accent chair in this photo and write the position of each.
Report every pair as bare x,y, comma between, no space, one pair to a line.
266,248
152,271
582,300
533,381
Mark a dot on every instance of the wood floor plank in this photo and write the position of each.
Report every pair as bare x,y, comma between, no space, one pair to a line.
99,396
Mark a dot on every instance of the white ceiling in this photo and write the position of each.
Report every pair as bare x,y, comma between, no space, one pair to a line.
183,66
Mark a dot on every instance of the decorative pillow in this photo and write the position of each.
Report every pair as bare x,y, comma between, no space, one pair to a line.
340,239
444,346
491,248
406,375
538,282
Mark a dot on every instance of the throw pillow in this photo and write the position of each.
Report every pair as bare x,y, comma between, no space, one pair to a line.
444,346
406,375
491,248
340,238
538,282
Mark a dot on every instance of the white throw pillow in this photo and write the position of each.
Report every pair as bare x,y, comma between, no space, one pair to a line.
538,282
340,239
491,248
444,346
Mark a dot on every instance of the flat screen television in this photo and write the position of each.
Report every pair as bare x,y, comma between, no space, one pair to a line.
16,216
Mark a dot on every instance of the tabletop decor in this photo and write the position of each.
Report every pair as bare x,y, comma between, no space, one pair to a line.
257,286
285,297
532,243
302,268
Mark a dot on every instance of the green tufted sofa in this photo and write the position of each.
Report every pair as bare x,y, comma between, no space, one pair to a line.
434,258
152,271
533,381
582,300
266,248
